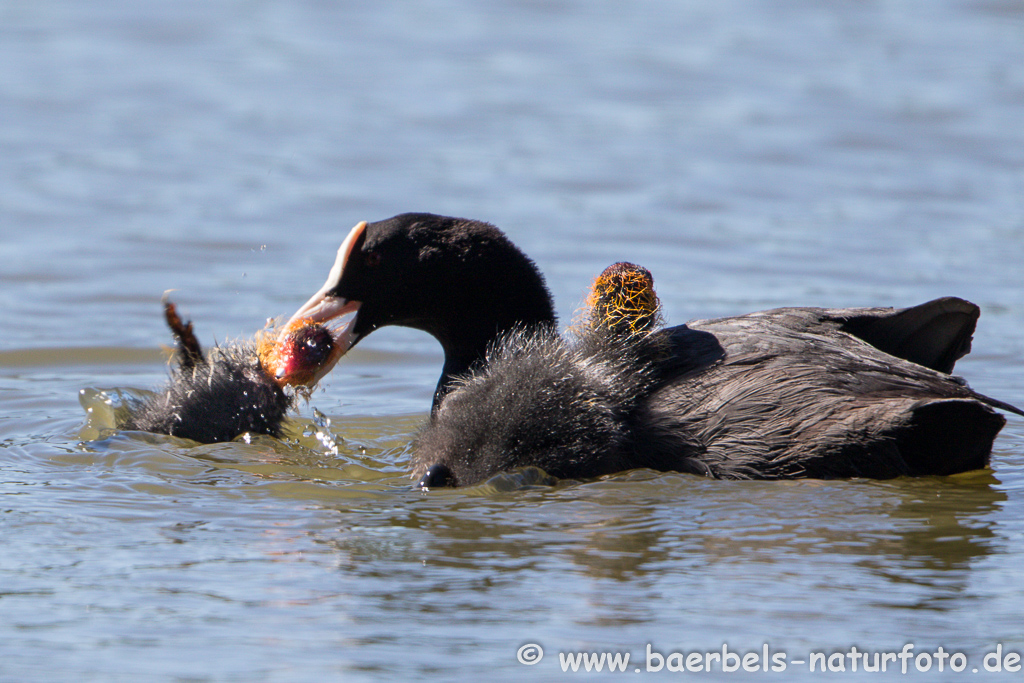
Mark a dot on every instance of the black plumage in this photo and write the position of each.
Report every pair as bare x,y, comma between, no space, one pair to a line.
793,392
212,397
460,280
776,394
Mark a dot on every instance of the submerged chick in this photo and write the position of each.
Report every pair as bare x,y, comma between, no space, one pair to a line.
235,388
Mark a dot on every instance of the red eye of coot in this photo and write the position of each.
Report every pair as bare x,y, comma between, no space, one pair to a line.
371,258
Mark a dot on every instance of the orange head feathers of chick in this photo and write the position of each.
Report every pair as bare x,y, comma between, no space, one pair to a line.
622,300
295,355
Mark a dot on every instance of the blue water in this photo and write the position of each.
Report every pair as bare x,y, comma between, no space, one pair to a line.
750,154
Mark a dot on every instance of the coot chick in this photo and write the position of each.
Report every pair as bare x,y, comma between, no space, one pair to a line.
233,389
793,392
565,405
622,300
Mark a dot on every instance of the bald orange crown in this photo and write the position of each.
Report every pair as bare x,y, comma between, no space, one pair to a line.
622,299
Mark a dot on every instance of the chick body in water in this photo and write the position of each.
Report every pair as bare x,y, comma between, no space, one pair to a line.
237,388
563,404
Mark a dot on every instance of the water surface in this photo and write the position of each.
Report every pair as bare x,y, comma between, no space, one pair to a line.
751,155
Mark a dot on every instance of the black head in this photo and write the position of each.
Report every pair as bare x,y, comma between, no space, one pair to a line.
460,280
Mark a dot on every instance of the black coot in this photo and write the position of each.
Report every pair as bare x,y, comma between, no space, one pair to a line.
793,396
793,392
231,390
461,281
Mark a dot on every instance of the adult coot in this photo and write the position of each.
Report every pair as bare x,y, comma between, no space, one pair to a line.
236,388
792,392
616,393
461,281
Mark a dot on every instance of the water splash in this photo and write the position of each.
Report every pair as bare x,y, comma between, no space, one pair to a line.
104,409
321,429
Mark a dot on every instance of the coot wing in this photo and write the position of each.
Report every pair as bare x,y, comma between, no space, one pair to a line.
935,334
786,403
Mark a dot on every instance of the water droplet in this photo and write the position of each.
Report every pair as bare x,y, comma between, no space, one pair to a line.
323,432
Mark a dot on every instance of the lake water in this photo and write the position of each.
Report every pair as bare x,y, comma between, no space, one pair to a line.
752,155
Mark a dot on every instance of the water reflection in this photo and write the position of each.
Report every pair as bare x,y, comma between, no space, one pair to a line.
751,154
927,532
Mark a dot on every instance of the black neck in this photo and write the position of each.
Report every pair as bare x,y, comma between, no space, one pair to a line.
466,350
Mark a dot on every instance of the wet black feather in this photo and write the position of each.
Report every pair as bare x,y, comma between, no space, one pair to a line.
213,397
